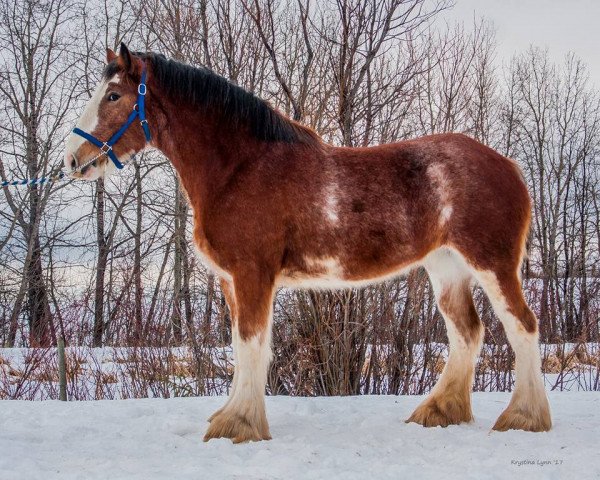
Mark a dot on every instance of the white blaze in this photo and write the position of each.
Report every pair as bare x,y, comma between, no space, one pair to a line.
88,120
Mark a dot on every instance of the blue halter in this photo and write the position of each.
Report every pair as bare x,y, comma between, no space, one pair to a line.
139,110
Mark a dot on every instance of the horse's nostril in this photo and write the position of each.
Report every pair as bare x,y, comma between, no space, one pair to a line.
73,164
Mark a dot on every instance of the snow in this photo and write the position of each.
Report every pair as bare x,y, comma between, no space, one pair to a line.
313,438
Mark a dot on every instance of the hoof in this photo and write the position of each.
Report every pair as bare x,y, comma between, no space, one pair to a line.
514,418
436,412
237,427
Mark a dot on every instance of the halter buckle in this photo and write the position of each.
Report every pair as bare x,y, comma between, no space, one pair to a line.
105,148
142,89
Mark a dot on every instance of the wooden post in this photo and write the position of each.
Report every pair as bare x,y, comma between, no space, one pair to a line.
62,371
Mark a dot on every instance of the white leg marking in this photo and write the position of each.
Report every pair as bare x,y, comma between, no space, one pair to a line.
252,360
529,393
448,270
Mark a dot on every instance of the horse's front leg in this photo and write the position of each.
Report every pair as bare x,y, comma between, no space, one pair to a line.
243,417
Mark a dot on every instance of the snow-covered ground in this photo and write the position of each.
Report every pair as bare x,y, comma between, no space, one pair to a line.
313,438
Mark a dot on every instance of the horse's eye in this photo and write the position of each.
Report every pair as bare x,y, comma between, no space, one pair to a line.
113,97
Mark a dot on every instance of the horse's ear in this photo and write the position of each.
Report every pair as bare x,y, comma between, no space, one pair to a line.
110,55
125,60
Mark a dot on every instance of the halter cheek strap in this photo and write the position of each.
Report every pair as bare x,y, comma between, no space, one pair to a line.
139,111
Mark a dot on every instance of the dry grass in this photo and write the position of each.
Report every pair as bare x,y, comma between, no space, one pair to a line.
161,372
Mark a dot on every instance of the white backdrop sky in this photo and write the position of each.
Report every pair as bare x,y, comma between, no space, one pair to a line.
560,25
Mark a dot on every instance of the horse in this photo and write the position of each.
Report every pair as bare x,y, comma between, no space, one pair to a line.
275,206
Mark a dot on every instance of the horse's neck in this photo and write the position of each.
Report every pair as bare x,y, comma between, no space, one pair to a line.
203,152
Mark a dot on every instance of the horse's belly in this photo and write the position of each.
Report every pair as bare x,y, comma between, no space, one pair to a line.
330,274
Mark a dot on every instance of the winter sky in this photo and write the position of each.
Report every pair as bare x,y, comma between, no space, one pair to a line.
560,25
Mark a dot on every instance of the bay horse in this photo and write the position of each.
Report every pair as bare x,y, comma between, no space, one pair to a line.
273,205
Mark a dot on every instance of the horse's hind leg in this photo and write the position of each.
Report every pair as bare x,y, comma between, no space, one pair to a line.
243,417
450,400
528,408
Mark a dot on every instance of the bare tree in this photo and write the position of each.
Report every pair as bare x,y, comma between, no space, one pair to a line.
36,94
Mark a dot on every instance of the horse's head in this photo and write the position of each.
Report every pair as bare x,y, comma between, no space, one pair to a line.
112,105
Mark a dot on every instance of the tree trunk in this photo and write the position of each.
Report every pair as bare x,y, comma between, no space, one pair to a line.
178,268
98,334
137,267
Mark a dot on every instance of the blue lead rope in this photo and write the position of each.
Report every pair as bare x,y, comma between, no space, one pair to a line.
35,181
139,110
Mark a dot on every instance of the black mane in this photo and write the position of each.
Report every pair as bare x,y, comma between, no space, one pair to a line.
202,87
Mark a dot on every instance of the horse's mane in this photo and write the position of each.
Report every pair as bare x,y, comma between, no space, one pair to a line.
202,87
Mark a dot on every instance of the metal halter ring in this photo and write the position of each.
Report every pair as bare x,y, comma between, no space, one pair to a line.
105,148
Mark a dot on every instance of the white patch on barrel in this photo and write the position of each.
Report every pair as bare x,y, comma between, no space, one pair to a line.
88,120
327,273
440,180
332,203
445,214
328,267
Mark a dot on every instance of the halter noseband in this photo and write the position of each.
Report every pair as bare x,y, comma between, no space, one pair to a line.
139,110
